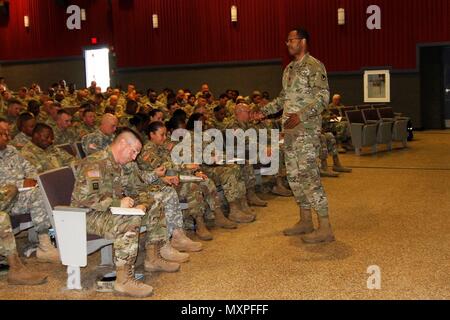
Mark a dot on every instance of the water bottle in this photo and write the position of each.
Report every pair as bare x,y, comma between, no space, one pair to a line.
52,234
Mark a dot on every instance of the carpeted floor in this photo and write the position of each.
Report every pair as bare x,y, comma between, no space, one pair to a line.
393,211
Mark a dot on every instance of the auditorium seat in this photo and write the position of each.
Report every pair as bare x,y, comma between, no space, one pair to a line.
384,130
363,134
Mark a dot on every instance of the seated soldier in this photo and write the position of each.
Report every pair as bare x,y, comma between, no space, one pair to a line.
219,120
111,178
88,122
331,124
49,113
156,115
14,107
229,177
328,145
102,137
41,152
34,107
15,170
156,153
18,273
25,123
242,121
130,111
63,130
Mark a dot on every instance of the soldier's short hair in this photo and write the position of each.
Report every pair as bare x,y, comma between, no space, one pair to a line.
154,126
223,95
13,101
61,112
218,108
23,117
41,127
122,130
302,33
153,112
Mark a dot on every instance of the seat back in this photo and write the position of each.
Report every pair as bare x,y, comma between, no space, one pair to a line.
386,112
67,148
364,107
57,186
79,149
379,106
371,115
354,116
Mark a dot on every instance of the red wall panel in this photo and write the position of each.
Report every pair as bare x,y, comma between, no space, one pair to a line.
48,36
200,31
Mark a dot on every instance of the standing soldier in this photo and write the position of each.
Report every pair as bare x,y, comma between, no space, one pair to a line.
304,96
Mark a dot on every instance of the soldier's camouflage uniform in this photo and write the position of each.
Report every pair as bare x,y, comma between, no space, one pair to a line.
13,170
305,92
49,159
7,240
197,194
101,183
20,140
96,141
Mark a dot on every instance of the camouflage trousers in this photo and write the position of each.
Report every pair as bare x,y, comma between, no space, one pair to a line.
199,196
248,176
7,240
227,176
340,130
167,197
31,202
301,153
125,230
328,145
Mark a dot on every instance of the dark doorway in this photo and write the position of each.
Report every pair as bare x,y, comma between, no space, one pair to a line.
434,80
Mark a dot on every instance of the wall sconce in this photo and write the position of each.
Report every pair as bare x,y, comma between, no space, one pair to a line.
155,21
26,21
83,15
234,13
341,16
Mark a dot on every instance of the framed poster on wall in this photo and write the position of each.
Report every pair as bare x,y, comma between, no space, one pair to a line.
377,86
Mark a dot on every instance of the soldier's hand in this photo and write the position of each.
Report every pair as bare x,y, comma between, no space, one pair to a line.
170,146
161,171
142,207
257,116
292,121
29,183
201,175
171,181
126,202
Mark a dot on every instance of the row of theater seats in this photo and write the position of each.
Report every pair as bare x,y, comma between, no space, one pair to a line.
370,126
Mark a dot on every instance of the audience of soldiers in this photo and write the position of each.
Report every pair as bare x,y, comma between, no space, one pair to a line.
126,137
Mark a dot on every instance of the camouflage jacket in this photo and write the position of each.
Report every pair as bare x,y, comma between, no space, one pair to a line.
102,183
14,168
20,140
95,141
83,129
305,92
68,135
7,195
44,160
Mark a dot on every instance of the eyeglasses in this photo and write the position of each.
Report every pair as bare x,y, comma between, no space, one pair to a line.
290,40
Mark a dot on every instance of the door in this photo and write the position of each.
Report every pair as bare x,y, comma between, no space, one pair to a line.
96,63
447,86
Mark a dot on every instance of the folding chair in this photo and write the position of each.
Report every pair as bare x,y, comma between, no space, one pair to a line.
384,130
400,126
79,150
70,225
363,134
67,147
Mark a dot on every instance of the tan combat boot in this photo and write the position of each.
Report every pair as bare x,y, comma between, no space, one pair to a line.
182,243
171,254
201,230
280,190
253,199
154,262
237,215
337,166
21,275
323,234
127,285
324,172
221,221
46,252
303,226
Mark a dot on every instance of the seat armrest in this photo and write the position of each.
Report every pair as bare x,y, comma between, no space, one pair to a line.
71,209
